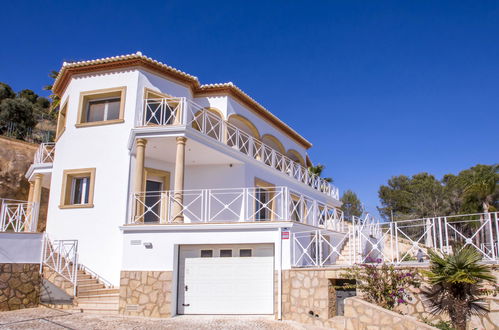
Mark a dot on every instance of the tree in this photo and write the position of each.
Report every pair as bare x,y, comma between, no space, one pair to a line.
6,92
18,111
427,196
481,190
351,205
317,170
56,100
454,189
395,197
456,285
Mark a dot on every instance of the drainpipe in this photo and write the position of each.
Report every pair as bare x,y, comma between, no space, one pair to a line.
279,278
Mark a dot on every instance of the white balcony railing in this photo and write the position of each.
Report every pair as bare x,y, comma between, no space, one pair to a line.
181,111
45,153
233,205
398,242
18,216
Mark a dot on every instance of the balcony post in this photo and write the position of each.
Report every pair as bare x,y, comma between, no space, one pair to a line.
30,193
139,177
35,199
178,188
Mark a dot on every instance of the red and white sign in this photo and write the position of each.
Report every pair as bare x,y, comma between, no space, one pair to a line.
285,235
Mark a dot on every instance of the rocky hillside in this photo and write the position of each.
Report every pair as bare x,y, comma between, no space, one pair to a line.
15,158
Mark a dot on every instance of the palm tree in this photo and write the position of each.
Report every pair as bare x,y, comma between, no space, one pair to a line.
481,185
317,170
456,285
56,100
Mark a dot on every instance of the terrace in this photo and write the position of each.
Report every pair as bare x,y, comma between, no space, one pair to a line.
168,112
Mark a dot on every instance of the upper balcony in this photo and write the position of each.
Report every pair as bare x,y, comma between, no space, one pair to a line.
184,112
45,153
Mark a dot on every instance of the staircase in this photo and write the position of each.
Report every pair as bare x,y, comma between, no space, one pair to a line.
93,296
346,254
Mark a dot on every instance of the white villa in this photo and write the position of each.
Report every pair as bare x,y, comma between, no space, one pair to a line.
170,197
199,185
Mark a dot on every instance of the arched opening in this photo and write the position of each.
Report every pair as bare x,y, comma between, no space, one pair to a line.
274,144
295,156
241,141
210,122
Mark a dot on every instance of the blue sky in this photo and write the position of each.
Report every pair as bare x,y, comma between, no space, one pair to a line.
381,88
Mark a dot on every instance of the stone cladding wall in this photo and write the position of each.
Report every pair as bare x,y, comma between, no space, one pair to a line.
308,295
146,293
364,315
58,280
19,286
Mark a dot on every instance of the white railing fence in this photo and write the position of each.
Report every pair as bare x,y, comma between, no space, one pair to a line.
181,111
18,216
45,153
321,248
409,241
61,256
234,205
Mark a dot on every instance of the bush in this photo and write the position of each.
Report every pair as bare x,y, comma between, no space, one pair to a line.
383,284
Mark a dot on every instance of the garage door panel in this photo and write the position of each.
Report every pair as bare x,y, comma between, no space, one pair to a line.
232,285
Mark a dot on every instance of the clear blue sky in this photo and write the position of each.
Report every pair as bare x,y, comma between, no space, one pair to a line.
381,88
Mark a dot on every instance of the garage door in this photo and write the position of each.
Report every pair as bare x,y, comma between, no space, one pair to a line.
226,279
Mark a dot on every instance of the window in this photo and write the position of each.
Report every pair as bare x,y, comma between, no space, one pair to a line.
245,253
101,107
264,201
262,207
225,253
80,190
61,120
102,110
206,253
77,188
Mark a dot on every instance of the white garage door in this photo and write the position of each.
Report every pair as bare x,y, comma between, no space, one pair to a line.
226,279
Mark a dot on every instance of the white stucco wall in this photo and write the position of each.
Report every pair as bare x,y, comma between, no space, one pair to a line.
104,148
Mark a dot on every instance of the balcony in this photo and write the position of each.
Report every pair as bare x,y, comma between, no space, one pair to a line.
45,153
233,205
18,216
181,111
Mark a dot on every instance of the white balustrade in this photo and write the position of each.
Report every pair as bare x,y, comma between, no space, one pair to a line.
401,242
181,111
45,153
234,205
18,216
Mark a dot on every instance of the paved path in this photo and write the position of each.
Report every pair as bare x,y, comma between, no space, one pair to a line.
45,318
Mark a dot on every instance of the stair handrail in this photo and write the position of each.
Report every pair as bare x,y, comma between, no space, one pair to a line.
99,278
61,259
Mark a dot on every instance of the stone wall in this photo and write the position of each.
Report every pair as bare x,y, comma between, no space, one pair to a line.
308,296
59,281
19,286
364,315
146,293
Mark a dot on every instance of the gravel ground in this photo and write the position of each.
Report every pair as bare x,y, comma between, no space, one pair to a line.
45,318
